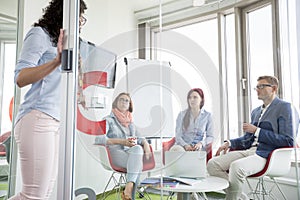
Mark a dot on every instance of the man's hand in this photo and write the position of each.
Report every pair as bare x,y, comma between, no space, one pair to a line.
250,128
223,148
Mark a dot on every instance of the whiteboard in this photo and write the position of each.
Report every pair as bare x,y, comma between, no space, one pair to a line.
149,84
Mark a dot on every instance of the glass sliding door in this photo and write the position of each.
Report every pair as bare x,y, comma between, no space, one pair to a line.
69,67
30,11
109,63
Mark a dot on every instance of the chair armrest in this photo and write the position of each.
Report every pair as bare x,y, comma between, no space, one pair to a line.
149,164
168,144
208,149
166,147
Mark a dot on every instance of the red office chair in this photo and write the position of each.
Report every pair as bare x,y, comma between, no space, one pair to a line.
106,161
3,138
5,145
168,144
278,164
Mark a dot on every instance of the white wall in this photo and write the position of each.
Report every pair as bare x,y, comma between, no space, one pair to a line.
106,19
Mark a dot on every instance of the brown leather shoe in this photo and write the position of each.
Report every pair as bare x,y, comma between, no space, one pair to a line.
125,197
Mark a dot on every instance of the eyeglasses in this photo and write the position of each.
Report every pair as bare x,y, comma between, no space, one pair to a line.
262,86
124,100
82,20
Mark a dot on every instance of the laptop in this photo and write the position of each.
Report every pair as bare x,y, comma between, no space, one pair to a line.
187,164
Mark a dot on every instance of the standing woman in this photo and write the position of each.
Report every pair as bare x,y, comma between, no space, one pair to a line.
37,122
125,153
194,126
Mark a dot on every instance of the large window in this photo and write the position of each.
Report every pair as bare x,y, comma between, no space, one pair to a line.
258,39
194,65
205,34
260,48
290,51
191,72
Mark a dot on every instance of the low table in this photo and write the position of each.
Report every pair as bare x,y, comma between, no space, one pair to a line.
209,184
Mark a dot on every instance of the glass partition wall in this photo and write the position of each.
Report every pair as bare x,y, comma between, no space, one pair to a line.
113,59
129,69
97,64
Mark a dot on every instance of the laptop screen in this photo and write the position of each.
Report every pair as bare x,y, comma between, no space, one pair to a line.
188,164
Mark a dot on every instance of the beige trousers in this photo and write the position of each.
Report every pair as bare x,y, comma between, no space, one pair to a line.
235,166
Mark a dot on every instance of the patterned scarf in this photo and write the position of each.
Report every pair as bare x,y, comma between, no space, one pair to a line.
124,118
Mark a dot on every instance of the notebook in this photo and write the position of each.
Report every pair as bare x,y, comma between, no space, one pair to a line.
168,181
187,164
155,182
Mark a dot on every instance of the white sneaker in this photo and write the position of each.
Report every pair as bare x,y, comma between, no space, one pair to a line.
194,196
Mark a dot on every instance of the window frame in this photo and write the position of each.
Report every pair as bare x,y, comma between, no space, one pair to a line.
241,54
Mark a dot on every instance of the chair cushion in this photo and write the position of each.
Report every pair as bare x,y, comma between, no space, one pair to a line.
3,138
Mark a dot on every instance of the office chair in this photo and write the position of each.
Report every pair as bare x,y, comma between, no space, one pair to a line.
106,161
278,164
168,144
5,145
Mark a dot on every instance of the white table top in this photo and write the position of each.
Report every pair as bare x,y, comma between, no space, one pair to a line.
210,184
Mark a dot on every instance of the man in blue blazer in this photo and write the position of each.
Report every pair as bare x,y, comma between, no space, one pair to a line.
273,125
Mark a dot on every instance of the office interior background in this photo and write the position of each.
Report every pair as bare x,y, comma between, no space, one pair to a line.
169,46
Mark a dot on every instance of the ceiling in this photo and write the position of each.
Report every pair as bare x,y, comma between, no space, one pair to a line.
177,11
9,8
144,4
143,9
8,27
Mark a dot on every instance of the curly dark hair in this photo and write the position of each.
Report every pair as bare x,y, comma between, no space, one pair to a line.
52,20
